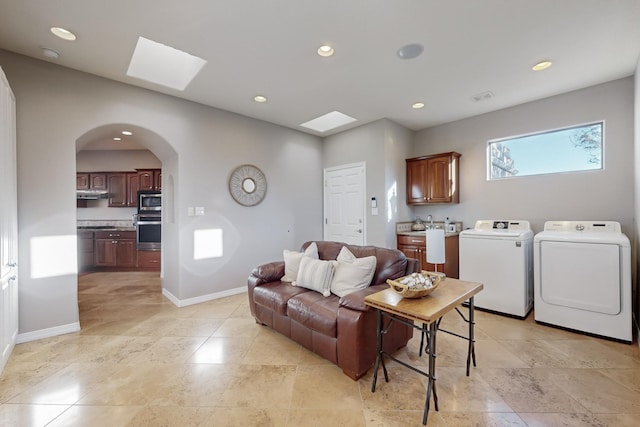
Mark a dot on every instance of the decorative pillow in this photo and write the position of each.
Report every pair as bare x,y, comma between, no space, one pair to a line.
292,261
352,273
316,275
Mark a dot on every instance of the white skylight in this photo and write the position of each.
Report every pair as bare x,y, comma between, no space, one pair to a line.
163,65
327,122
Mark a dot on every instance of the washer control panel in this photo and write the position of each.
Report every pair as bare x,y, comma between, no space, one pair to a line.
583,226
502,225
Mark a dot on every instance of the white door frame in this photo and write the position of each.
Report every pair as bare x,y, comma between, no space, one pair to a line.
361,165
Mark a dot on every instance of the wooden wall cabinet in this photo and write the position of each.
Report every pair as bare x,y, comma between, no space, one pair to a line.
115,249
123,189
433,179
416,247
91,181
150,179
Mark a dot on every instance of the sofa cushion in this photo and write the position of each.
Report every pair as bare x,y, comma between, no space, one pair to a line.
316,275
292,261
351,273
275,295
316,312
391,263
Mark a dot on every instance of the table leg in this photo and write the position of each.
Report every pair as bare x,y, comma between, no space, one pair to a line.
431,385
378,351
471,351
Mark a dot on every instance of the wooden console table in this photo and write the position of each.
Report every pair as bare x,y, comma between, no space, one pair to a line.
421,313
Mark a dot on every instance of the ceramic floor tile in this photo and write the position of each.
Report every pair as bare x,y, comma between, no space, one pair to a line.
228,350
260,386
29,415
325,387
459,393
322,418
141,361
596,391
529,390
96,416
264,417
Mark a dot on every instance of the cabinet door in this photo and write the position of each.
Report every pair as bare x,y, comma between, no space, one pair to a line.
133,185
416,180
82,181
105,253
157,179
145,180
149,259
126,253
117,190
98,181
438,180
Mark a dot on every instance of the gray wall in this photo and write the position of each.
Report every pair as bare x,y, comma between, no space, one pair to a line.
198,146
597,195
382,146
636,190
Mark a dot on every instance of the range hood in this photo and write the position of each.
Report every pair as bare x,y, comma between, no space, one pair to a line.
92,194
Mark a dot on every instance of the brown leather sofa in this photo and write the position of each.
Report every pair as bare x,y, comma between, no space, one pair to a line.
340,329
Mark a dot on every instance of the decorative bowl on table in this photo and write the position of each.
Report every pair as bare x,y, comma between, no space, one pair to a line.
416,285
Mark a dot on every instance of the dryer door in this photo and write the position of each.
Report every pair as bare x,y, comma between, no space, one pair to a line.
584,276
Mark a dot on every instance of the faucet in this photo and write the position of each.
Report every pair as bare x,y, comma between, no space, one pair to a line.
430,219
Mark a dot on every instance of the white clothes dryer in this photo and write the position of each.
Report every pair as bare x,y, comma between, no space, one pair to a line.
499,254
582,278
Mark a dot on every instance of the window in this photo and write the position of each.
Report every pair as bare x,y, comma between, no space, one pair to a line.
572,149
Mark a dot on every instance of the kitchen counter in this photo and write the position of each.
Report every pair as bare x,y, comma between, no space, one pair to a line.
104,228
423,233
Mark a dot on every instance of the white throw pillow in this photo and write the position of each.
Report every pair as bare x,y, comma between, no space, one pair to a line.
352,273
316,275
292,261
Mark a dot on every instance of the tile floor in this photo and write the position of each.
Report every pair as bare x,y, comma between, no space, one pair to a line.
140,361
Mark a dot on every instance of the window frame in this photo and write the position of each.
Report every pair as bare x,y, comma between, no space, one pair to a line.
490,142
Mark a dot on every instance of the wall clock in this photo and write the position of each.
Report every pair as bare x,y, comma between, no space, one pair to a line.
247,185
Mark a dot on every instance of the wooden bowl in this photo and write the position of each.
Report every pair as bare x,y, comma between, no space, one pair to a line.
411,292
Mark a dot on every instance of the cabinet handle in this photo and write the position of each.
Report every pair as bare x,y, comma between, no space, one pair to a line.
114,241
114,235
416,241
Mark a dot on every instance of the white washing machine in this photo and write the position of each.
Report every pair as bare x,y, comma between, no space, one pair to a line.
583,277
499,254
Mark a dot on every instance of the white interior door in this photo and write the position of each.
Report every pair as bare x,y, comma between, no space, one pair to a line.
8,223
344,204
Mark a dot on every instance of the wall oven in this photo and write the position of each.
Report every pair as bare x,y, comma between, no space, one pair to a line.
148,221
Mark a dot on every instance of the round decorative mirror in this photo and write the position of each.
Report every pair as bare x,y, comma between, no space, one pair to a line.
247,185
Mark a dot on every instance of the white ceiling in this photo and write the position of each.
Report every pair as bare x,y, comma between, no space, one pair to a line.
268,47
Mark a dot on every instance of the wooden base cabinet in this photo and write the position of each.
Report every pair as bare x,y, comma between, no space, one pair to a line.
115,249
416,247
149,260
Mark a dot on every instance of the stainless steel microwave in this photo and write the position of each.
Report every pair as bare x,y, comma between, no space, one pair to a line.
149,201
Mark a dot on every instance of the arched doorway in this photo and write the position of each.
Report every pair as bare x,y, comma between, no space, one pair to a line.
117,150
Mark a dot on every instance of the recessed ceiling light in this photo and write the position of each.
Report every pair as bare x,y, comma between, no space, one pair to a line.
117,138
164,65
418,105
543,65
325,50
260,98
50,53
63,33
328,121
410,51
127,132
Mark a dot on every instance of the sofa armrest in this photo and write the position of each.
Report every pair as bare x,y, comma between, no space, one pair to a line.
355,300
265,273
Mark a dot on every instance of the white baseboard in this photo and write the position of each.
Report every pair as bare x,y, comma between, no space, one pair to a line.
204,298
49,332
